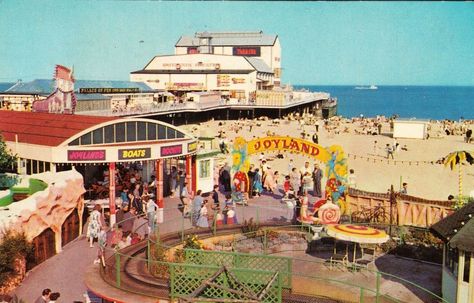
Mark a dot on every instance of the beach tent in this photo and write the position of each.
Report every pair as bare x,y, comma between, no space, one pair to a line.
411,129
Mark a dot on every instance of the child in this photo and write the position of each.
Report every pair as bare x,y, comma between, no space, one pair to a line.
102,239
287,186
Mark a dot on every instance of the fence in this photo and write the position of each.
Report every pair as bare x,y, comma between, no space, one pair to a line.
308,278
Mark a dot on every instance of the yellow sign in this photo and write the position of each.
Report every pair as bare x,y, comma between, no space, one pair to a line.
288,144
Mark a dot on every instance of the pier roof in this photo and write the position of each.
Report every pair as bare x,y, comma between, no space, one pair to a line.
46,86
230,39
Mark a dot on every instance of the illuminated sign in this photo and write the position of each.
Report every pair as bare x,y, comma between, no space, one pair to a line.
171,150
107,90
246,51
86,155
192,147
134,153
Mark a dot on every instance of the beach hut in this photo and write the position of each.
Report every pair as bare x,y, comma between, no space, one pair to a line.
411,129
457,233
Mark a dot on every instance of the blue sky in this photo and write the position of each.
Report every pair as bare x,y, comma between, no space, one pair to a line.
324,43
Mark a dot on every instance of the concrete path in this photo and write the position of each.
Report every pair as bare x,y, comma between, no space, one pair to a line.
65,271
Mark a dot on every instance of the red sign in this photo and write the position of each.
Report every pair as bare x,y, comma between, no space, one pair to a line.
247,51
86,155
193,50
171,150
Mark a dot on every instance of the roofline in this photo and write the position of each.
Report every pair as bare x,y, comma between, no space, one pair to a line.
188,71
119,120
247,58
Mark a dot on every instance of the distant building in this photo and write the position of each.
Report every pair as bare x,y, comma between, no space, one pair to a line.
247,44
91,95
234,77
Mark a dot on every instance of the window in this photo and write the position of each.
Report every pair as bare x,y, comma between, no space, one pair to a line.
467,264
120,132
86,139
74,142
161,132
451,260
170,133
98,136
179,134
131,131
141,131
109,134
151,131
205,168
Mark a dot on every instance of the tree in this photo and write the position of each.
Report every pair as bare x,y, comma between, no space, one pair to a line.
7,159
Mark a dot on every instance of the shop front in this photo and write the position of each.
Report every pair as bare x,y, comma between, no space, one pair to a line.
97,146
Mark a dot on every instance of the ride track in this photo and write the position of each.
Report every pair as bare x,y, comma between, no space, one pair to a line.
135,277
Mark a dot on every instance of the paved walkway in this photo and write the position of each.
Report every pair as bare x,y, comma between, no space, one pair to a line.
65,272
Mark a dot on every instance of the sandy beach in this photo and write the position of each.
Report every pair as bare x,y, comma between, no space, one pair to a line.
416,165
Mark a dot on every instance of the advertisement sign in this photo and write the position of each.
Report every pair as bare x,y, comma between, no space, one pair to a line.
247,51
108,90
193,50
134,153
86,155
171,150
192,147
288,144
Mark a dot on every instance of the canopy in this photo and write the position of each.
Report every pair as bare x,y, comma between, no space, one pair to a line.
357,233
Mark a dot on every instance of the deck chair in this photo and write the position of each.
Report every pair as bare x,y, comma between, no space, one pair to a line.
339,258
367,257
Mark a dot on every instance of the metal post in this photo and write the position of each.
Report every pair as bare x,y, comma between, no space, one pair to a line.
182,228
377,291
258,217
265,241
148,252
361,297
214,224
392,201
117,269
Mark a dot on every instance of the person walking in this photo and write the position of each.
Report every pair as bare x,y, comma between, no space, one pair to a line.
352,179
151,208
44,296
389,150
203,219
317,177
95,224
295,180
257,183
315,138
197,203
185,200
215,196
53,297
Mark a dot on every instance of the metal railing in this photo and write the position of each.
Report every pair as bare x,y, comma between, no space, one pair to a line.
128,267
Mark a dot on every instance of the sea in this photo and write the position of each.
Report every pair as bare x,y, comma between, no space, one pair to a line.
420,102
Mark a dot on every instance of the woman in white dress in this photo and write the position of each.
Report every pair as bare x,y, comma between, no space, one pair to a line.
95,224
203,221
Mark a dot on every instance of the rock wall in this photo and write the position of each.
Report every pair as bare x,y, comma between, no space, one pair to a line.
48,208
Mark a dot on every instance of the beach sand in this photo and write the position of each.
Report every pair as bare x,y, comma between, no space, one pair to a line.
374,172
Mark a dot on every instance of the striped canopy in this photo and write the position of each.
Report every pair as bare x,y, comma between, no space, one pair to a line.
357,233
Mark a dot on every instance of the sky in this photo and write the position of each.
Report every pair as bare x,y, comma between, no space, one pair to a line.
323,43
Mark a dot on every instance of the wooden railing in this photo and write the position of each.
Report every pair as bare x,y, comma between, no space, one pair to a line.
407,210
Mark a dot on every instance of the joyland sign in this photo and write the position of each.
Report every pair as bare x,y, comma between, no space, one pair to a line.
86,155
171,150
288,144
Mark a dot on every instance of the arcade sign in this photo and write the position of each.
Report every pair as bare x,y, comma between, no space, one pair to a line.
108,90
134,153
86,155
246,51
171,150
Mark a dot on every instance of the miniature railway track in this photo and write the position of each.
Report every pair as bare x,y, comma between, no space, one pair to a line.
136,278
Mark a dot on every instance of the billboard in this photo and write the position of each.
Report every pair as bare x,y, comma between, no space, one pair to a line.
247,51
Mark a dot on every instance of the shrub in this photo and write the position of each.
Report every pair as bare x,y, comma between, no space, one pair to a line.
249,226
12,246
